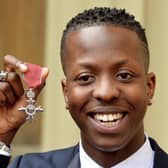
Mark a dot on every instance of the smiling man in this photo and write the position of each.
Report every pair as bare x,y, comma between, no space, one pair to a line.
107,89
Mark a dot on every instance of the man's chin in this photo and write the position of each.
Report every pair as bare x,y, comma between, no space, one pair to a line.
114,148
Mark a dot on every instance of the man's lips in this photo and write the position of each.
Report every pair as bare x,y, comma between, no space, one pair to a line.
108,116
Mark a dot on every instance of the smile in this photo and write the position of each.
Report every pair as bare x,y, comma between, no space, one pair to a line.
109,119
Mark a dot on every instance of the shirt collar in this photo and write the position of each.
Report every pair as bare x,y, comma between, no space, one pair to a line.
142,158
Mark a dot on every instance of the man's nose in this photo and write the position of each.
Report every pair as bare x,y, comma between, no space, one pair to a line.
106,90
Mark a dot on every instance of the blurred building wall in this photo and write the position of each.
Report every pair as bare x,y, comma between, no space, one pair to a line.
156,22
22,33
32,31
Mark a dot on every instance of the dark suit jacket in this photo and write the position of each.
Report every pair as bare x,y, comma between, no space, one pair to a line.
69,158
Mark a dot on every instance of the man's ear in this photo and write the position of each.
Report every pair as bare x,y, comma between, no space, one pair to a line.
151,82
65,92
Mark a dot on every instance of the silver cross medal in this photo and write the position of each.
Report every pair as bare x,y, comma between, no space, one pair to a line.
30,109
32,79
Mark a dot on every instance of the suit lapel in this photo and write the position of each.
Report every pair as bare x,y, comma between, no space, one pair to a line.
75,163
160,158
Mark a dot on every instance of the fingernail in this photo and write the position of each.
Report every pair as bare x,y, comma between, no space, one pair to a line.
22,67
45,71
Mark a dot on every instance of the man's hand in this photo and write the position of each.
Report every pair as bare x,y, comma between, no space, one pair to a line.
12,97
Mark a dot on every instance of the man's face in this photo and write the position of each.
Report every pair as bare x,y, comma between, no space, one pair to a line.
106,87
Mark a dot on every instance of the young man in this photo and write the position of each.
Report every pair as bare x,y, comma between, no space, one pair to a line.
107,89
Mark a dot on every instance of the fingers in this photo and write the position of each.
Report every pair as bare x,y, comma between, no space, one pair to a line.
15,83
12,63
2,98
6,93
11,89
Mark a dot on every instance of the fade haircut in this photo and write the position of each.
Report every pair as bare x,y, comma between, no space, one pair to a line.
106,16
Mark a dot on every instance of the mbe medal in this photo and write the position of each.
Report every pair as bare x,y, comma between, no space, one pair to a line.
30,109
32,79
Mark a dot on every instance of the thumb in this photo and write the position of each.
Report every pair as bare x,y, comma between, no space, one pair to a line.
12,64
44,74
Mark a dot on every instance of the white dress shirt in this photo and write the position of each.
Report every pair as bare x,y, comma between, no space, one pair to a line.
142,158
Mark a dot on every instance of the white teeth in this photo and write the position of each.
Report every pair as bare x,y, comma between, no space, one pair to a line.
108,117
109,120
110,124
105,117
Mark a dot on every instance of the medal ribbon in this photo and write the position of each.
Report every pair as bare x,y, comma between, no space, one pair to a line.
32,77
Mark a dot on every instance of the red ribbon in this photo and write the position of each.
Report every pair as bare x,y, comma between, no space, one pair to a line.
32,76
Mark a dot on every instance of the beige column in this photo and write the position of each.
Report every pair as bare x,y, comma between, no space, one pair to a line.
157,31
135,7
58,127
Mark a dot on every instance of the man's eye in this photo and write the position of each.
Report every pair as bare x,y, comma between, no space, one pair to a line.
124,76
85,79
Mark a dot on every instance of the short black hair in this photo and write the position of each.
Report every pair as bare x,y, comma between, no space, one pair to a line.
106,16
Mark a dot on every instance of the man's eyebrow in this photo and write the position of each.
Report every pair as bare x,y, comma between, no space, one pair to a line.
90,64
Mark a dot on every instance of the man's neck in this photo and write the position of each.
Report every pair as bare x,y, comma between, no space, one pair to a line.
143,157
109,158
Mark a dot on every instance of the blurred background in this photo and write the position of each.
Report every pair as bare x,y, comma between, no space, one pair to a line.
32,29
